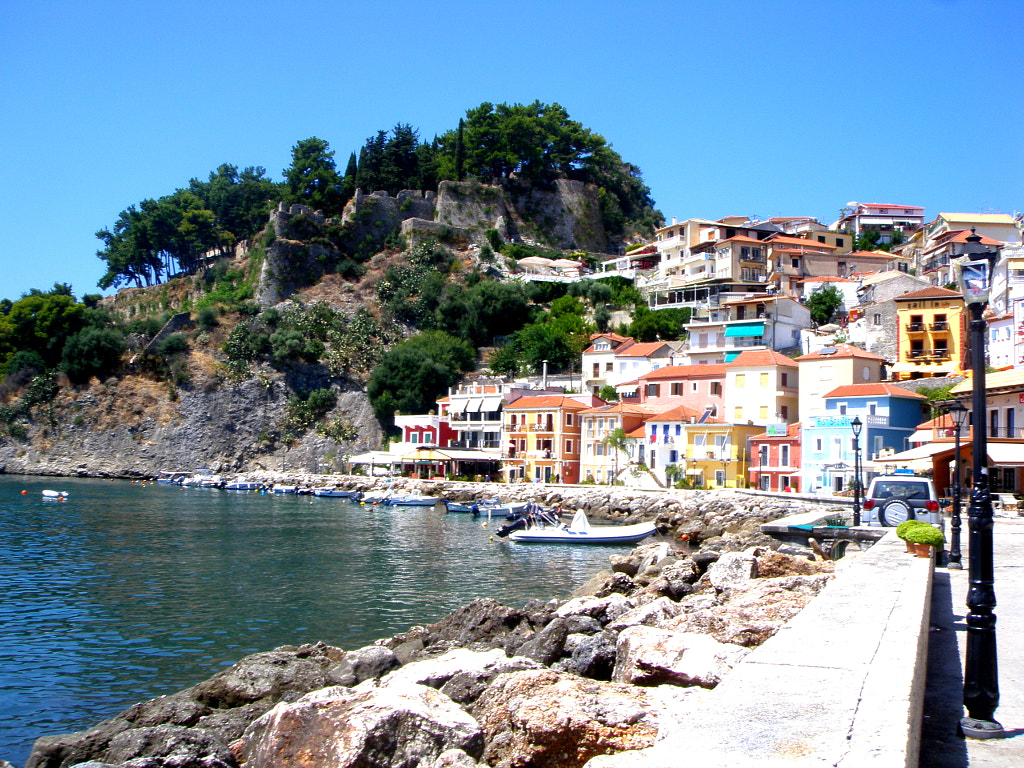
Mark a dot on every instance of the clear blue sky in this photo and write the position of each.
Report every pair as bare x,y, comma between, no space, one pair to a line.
786,108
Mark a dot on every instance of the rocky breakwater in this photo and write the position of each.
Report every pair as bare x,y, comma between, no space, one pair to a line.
552,684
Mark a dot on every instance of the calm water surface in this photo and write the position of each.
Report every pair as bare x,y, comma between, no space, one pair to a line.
125,591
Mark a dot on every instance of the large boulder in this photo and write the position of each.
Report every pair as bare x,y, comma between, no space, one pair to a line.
653,656
604,609
170,746
462,675
732,568
750,613
273,675
548,719
399,726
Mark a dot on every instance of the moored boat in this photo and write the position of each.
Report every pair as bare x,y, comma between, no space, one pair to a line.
242,485
414,499
547,528
337,493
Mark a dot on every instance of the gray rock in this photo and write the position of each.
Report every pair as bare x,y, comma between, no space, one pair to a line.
593,657
371,662
547,646
401,726
731,569
652,656
170,746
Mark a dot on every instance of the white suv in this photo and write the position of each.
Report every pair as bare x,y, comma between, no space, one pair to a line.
891,499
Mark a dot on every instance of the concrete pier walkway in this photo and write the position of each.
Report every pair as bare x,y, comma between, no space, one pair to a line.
941,746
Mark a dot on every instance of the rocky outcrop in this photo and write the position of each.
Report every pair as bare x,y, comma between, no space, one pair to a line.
548,684
134,430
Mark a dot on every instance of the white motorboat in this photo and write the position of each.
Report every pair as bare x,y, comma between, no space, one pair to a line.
60,495
242,485
336,493
172,477
546,528
281,488
414,499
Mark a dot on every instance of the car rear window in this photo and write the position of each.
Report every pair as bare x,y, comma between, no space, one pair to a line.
885,489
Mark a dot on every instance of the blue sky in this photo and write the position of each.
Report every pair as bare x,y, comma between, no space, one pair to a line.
731,108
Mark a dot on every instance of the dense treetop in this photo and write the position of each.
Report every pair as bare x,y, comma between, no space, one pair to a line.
535,143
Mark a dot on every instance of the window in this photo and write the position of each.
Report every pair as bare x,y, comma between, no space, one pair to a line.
784,412
877,318
609,367
784,379
764,379
673,457
716,388
817,444
840,241
741,379
693,386
677,389
842,409
764,412
414,437
795,262
837,446
652,390
762,455
739,413
872,409
825,373
568,419
784,455
720,477
568,446
994,427
1010,426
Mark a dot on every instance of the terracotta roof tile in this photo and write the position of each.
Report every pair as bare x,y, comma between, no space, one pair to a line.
711,370
932,292
546,401
842,351
760,357
878,388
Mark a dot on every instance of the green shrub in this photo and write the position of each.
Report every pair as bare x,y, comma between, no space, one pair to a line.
93,352
925,534
906,525
206,318
171,345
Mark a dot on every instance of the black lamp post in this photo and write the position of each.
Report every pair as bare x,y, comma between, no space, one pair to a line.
857,426
959,415
981,672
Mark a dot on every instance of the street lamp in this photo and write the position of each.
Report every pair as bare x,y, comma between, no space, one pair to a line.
959,416
981,674
857,426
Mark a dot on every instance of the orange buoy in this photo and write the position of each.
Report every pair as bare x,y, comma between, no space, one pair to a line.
24,493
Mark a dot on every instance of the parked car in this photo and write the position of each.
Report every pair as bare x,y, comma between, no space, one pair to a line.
891,499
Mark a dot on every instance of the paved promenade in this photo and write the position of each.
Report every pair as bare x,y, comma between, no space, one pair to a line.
941,747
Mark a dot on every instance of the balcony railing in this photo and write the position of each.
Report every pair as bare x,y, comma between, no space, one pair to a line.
940,326
915,327
542,427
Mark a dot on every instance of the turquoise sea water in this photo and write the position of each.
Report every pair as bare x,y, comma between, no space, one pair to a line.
126,591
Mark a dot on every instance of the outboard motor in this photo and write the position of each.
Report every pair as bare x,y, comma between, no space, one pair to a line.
519,524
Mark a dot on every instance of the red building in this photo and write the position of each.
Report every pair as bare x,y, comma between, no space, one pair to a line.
775,458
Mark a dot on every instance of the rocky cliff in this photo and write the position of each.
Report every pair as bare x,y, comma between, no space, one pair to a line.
136,427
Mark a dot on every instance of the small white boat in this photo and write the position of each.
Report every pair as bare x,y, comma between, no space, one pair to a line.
55,495
336,493
415,499
280,488
242,485
547,529
172,478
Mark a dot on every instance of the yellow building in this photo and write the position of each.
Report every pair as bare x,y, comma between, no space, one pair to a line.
542,436
930,334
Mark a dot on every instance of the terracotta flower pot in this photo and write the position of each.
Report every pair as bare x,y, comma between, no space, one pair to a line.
910,547
923,550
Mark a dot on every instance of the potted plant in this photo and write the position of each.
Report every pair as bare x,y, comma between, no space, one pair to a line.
906,525
924,538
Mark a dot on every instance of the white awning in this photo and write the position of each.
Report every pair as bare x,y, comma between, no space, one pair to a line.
375,457
491,403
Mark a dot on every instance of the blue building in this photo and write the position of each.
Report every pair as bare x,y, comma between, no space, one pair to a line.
890,415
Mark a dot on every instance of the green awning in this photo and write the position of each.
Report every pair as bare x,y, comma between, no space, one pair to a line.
730,356
745,329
